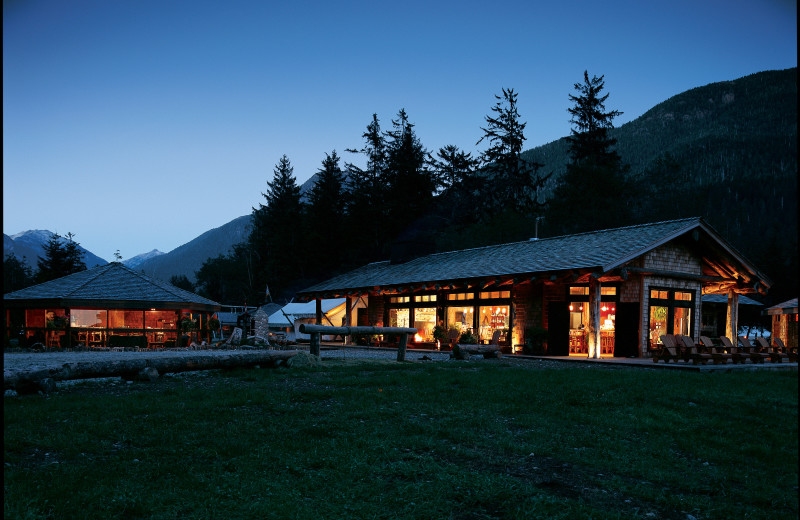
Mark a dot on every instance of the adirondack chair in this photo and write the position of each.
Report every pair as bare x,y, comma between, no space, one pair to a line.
791,352
737,356
753,352
452,337
692,351
775,355
495,338
668,350
720,358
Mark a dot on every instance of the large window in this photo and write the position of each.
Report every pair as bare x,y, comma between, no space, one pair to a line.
90,318
461,317
578,296
670,313
125,319
424,322
492,318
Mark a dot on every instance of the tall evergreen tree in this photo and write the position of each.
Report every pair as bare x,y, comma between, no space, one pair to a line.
16,274
512,182
275,238
593,193
456,174
325,215
367,188
73,256
409,181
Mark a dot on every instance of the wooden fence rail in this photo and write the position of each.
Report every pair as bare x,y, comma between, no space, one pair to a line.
316,331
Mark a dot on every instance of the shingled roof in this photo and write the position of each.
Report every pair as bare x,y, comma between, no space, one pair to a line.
599,251
110,285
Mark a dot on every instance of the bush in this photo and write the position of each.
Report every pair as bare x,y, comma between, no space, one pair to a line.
468,339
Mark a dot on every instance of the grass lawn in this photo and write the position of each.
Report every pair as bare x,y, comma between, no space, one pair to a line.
461,440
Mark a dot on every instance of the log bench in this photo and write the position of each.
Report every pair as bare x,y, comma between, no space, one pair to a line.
464,351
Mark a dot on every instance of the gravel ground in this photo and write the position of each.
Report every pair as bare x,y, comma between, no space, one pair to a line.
36,360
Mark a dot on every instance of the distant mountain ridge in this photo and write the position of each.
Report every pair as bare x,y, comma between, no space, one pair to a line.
28,246
138,259
188,258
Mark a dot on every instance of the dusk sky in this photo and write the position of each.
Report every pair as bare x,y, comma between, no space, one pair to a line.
139,125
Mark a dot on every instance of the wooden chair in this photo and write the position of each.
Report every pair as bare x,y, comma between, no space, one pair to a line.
495,338
791,352
753,352
720,358
668,350
737,356
775,355
692,351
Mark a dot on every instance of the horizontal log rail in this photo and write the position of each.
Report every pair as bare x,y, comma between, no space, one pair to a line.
316,332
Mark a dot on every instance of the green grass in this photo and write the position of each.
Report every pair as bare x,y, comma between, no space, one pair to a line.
454,440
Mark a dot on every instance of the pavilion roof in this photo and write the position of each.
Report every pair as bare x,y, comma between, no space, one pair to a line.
113,284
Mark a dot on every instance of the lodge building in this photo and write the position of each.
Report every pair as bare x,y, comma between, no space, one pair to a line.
605,293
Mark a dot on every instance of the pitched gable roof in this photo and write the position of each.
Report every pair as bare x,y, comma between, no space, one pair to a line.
110,284
600,251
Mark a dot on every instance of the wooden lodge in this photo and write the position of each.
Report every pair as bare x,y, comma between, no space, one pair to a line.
605,293
108,306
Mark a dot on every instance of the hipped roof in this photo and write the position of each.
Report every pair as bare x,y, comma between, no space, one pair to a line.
107,286
597,251
787,307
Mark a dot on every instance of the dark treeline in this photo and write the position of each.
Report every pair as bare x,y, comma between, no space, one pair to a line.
62,256
405,200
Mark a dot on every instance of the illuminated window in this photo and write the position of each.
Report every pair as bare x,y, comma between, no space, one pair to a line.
400,299
683,296
579,291
659,295
460,296
608,291
425,298
489,295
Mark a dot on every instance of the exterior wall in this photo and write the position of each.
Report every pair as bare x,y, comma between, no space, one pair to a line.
528,305
375,310
676,258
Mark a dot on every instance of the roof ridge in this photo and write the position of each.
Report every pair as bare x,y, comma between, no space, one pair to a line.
661,222
158,283
100,271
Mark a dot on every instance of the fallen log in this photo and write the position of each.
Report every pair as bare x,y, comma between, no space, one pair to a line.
464,351
131,368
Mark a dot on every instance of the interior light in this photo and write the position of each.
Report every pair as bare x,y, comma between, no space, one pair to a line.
571,308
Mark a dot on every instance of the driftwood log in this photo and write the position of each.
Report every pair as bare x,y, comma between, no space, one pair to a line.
138,367
464,351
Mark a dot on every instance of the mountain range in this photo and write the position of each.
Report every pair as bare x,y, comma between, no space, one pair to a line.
28,246
726,151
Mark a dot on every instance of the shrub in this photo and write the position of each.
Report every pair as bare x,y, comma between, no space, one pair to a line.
468,339
535,338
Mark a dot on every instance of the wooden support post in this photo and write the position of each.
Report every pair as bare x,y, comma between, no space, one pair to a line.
401,347
319,312
348,309
314,348
593,327
732,324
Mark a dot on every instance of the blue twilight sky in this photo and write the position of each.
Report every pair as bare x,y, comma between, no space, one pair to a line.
142,124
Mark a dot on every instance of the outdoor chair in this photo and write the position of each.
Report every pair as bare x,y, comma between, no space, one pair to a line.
668,350
791,352
692,351
753,352
737,355
775,355
720,358
452,337
495,338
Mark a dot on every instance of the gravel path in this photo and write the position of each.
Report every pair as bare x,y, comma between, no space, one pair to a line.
31,360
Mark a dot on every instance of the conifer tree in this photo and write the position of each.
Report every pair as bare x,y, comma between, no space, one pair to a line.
456,174
409,181
73,256
367,188
325,215
593,193
16,274
275,238
512,182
